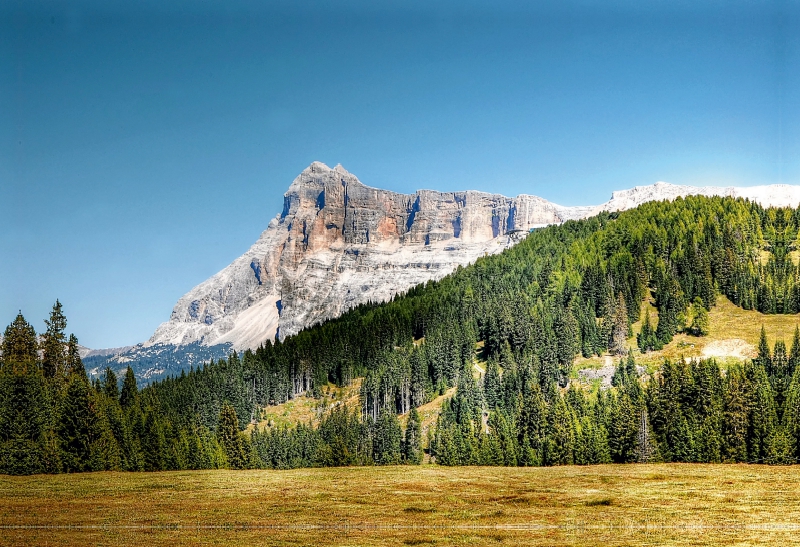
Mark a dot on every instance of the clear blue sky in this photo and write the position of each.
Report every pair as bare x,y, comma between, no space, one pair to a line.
144,148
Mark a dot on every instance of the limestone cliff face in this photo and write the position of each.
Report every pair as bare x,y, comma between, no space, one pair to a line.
339,243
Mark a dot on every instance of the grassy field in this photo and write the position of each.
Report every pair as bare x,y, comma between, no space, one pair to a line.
427,505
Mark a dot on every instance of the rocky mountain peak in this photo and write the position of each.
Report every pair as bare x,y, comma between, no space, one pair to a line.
339,243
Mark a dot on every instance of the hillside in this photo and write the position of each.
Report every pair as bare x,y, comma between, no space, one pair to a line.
339,243
574,291
733,338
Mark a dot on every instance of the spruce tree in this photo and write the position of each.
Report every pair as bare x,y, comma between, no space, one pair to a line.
154,443
19,345
764,357
412,443
228,437
75,425
794,352
73,363
110,387
129,392
619,331
700,321
646,337
387,442
53,343
492,388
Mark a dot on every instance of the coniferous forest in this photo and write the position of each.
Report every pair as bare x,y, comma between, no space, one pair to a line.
563,291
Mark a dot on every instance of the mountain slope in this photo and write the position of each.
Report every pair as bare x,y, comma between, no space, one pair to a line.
339,243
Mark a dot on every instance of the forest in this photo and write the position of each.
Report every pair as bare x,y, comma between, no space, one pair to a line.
564,291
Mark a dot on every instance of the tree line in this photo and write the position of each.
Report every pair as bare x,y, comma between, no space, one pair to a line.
564,291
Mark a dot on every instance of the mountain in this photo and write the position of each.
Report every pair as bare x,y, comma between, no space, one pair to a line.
339,243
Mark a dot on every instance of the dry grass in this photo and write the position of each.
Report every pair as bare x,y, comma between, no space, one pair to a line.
599,505
733,336
308,409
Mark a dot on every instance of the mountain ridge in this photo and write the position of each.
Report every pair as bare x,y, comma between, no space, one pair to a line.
339,243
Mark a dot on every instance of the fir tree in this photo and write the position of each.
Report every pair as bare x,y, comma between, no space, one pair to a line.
387,443
129,392
19,345
228,437
53,343
412,443
75,425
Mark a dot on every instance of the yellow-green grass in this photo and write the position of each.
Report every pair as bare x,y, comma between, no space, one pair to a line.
689,504
733,336
308,410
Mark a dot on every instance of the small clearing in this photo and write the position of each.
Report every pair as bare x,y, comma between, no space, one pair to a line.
734,347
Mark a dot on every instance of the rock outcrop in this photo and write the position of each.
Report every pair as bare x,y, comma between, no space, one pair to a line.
339,243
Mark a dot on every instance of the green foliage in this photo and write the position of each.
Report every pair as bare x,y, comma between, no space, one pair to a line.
700,322
563,291
53,343
412,441
232,443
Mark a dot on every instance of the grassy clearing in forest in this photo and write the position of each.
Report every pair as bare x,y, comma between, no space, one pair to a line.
309,410
733,337
674,504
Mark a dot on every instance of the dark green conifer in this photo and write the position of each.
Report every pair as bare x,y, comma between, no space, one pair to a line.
412,443
129,392
228,437
54,342
19,345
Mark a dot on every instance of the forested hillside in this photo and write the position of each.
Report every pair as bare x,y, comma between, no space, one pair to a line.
564,291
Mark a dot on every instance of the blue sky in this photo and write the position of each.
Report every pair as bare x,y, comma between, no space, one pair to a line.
142,148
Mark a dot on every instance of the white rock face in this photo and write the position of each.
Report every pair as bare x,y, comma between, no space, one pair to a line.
339,243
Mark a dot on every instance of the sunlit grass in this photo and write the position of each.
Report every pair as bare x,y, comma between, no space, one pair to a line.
733,337
598,505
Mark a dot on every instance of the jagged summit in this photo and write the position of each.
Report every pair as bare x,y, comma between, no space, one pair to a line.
339,243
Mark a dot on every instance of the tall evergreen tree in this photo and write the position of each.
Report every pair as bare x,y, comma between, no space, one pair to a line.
412,443
228,437
53,343
75,425
19,345
129,392
387,442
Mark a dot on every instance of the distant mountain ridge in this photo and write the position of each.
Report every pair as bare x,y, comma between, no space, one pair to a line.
339,243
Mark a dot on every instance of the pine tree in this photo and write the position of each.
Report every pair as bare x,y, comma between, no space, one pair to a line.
412,443
700,321
53,343
387,443
129,393
19,345
619,331
228,437
75,425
